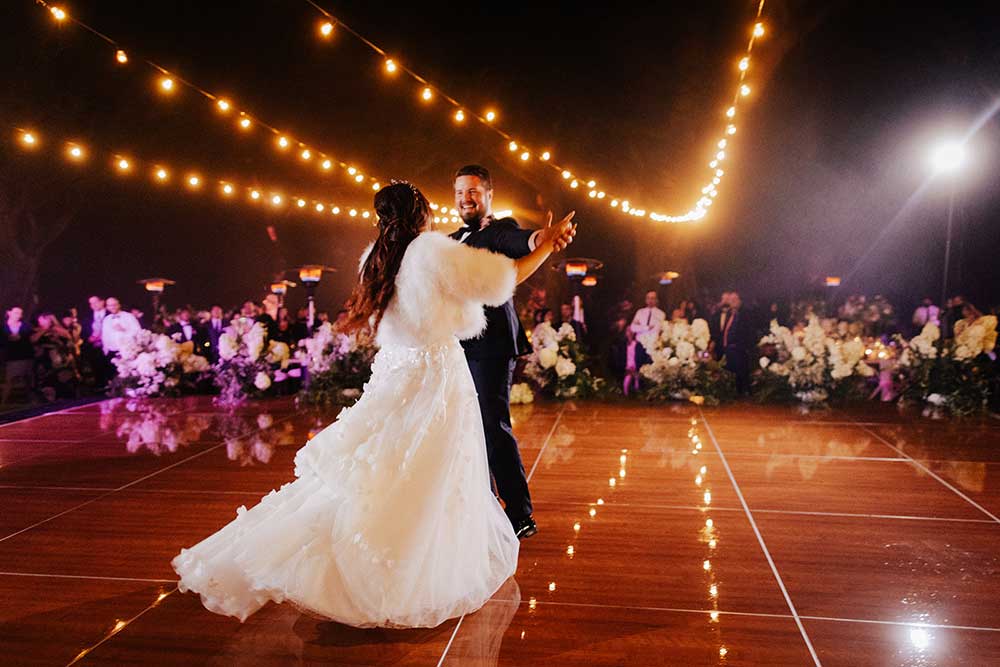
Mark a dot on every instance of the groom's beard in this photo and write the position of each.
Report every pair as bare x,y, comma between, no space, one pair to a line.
472,218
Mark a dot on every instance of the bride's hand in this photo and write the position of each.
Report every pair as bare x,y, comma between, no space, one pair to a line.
559,235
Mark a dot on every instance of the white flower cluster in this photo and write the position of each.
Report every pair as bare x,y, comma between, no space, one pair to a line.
546,342
975,339
676,353
813,360
320,352
150,363
922,346
521,394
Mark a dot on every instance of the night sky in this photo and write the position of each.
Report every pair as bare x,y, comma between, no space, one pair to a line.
826,176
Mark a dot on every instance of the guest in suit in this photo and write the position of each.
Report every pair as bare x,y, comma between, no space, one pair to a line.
566,317
214,328
186,330
17,352
734,340
492,355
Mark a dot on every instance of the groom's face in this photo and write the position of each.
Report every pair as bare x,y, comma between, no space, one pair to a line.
473,199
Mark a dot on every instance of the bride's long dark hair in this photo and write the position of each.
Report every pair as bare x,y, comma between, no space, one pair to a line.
402,212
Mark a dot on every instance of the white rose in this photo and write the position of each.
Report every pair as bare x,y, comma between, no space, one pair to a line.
565,367
278,352
262,381
145,364
227,347
798,353
764,362
685,350
566,331
547,357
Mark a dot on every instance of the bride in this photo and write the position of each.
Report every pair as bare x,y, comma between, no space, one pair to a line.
390,521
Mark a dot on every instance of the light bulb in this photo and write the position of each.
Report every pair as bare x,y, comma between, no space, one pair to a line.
427,94
390,66
227,189
459,116
524,156
306,154
276,200
326,29
731,129
167,84
744,63
223,105
123,164
744,90
758,30
194,180
245,123
121,57
162,175
282,142
320,208
359,178
301,203
59,13
545,156
75,152
512,146
326,165
254,194
491,116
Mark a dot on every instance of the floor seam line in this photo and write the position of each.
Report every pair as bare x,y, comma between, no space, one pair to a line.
760,539
933,474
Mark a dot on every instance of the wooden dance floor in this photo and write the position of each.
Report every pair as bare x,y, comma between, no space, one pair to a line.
668,535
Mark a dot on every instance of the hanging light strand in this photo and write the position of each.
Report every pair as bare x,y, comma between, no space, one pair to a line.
571,178
193,179
168,82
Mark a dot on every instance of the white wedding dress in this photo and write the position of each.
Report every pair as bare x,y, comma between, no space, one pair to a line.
391,520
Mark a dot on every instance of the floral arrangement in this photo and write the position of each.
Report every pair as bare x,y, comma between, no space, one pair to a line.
151,364
249,364
810,365
338,364
557,365
521,394
682,368
949,377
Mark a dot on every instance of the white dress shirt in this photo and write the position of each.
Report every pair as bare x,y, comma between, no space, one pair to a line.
116,329
648,320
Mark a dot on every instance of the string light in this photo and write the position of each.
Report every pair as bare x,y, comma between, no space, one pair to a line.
326,29
306,154
255,195
460,116
545,156
59,13
276,200
427,94
525,156
167,83
390,66
227,189
75,152
123,164
29,139
282,142
194,181
490,116
162,175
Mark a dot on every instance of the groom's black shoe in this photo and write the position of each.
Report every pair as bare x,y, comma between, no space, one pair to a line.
525,528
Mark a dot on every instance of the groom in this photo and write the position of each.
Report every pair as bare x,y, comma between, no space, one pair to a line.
492,355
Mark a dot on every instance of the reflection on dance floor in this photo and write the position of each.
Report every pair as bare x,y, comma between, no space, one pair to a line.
741,535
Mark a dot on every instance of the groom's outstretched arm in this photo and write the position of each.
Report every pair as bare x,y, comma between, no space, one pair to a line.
509,239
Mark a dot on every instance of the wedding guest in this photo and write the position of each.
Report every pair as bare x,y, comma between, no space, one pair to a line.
926,313
56,374
734,341
185,330
269,315
650,318
285,327
160,323
117,327
214,330
71,323
969,315
322,317
17,352
628,356
300,328
542,316
566,317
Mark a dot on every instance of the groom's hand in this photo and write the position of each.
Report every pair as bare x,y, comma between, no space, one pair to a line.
561,234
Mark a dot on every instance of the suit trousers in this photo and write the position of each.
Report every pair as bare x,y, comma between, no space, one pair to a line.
492,378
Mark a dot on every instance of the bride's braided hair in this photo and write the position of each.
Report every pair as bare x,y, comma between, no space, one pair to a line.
402,212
